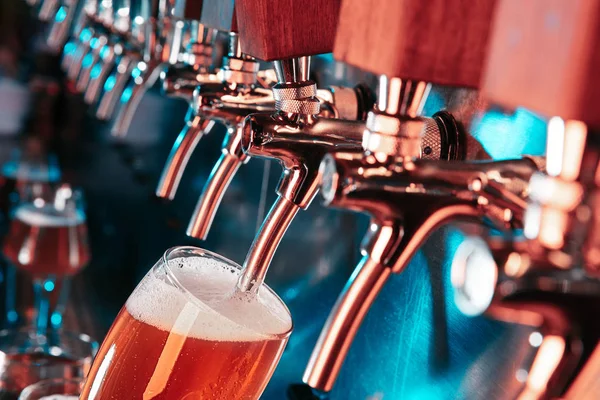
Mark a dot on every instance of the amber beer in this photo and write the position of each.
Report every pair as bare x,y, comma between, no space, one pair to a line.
45,241
184,335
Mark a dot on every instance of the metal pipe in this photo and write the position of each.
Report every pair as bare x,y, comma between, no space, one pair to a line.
265,244
195,127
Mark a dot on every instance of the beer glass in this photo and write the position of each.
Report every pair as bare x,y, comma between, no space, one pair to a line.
53,389
48,240
186,333
27,357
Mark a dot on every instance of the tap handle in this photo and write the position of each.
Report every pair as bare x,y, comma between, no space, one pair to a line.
543,56
435,41
196,127
216,185
313,21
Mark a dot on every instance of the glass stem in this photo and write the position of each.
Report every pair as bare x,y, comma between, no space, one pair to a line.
42,290
56,319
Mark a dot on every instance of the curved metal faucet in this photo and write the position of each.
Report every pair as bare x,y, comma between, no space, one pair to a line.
162,47
388,192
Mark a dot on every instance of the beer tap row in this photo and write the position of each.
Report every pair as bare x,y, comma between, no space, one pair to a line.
377,154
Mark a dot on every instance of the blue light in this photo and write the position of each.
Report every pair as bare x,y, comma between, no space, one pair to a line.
12,316
507,136
136,73
56,319
110,83
87,61
48,286
104,51
85,35
61,14
70,47
126,95
96,71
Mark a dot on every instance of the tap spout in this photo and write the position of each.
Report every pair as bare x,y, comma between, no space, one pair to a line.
391,247
115,86
265,244
195,128
143,79
232,157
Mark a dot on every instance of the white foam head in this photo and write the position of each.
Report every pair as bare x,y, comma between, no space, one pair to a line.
204,307
48,216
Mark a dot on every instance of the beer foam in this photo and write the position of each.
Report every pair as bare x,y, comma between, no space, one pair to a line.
207,308
48,216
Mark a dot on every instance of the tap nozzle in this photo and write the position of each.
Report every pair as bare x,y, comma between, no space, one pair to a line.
232,157
195,127
398,228
271,136
115,86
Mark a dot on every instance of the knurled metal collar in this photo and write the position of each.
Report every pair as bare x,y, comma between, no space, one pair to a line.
394,136
297,98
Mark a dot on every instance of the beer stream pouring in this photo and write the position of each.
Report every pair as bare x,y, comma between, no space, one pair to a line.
547,279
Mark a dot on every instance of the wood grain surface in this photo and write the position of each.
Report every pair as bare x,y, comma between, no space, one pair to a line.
545,55
440,41
280,29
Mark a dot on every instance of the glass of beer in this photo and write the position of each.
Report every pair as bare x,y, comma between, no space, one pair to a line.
53,389
186,333
47,239
27,357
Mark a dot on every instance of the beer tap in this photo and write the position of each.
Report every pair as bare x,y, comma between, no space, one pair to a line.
162,47
69,16
408,198
107,46
547,278
227,98
75,48
97,12
241,93
294,135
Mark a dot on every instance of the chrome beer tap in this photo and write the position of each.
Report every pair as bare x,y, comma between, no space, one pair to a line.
547,277
227,100
107,46
90,37
122,42
69,18
407,199
163,34
240,93
75,47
